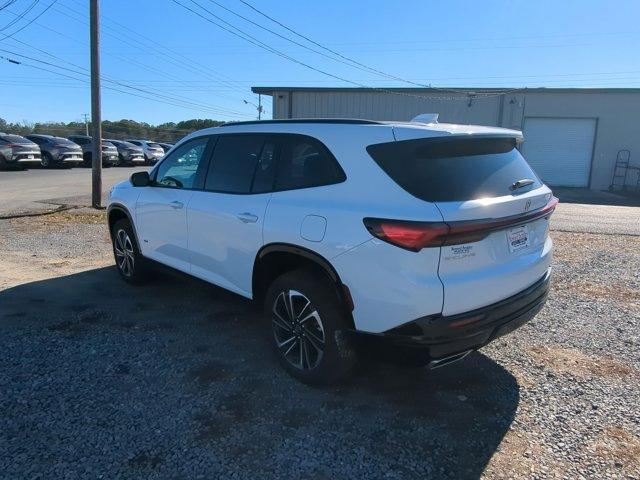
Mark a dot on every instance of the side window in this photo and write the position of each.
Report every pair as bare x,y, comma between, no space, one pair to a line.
266,169
234,162
305,162
180,168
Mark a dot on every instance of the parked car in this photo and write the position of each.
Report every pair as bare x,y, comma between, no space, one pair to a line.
152,150
109,150
128,153
15,150
422,242
166,146
57,151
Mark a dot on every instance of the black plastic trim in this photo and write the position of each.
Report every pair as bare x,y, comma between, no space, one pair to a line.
120,207
438,336
303,252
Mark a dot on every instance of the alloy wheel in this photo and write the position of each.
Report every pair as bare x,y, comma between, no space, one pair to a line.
123,248
298,330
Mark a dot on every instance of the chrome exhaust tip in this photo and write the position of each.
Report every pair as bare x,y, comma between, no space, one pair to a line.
441,362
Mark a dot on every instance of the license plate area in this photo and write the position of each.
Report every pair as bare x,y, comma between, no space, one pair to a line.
518,238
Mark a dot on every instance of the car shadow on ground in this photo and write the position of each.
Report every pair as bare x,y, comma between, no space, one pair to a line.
176,378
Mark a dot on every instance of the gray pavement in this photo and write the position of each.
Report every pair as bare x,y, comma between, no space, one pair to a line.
38,190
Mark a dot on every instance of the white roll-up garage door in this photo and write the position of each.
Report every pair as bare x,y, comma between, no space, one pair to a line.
560,149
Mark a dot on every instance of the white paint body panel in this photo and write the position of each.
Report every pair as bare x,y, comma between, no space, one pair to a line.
224,239
161,224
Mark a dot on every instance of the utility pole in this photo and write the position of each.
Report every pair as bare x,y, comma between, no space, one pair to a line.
96,116
86,123
258,107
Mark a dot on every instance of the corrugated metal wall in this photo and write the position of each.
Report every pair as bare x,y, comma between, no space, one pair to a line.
385,106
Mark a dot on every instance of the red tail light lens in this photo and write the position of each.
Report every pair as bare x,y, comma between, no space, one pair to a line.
415,236
409,235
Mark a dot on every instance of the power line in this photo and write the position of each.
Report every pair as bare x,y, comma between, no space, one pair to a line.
214,109
253,40
30,21
169,55
344,57
106,87
20,16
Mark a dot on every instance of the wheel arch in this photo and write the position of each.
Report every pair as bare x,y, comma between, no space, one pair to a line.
274,259
116,212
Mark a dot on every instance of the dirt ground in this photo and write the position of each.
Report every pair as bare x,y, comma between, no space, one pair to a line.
161,381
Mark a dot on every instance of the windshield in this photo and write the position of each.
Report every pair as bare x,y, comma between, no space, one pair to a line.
63,141
15,139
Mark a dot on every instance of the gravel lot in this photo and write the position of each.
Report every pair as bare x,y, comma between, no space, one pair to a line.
174,379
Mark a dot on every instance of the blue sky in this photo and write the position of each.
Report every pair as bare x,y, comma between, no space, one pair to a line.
194,69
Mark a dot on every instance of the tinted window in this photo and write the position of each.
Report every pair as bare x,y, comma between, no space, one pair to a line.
454,169
180,168
234,162
266,168
62,141
38,140
305,162
134,142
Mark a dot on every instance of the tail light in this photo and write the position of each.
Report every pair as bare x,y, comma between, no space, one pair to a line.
409,235
415,236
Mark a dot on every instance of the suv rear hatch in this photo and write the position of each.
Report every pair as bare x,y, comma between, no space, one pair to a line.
495,210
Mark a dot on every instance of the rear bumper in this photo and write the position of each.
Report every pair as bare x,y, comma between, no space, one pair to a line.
437,337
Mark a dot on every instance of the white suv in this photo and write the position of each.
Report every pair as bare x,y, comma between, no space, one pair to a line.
152,151
420,241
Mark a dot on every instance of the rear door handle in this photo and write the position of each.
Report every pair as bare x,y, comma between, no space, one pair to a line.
247,217
177,205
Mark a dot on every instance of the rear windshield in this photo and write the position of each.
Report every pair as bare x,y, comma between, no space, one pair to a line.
454,169
154,145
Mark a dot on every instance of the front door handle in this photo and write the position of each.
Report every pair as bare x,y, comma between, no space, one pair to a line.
177,205
247,217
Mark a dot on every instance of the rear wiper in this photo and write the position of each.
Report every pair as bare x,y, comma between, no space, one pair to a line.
525,182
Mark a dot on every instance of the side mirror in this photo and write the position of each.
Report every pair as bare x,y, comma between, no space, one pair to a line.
140,179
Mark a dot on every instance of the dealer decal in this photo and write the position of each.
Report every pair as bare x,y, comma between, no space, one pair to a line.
459,252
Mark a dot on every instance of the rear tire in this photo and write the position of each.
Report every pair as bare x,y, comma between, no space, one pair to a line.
130,264
308,328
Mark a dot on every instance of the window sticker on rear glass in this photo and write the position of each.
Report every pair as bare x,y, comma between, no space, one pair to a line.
459,252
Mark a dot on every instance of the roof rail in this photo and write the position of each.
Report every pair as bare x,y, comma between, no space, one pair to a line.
350,121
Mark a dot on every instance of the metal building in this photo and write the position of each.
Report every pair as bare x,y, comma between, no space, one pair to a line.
572,135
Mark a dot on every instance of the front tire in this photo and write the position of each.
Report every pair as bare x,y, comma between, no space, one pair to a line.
308,328
46,160
129,262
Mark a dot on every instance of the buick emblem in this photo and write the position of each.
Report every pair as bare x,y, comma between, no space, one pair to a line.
527,205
